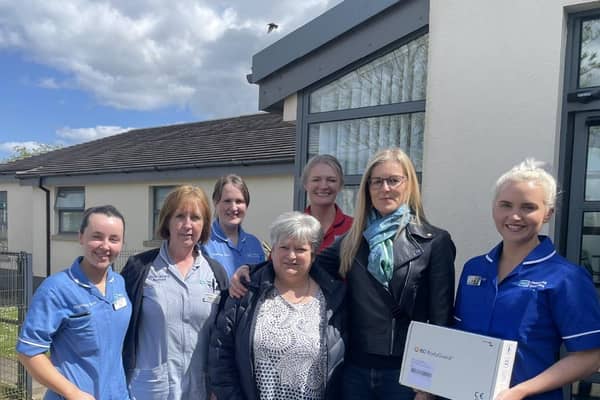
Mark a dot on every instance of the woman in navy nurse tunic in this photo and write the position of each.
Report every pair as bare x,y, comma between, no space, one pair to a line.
523,290
80,315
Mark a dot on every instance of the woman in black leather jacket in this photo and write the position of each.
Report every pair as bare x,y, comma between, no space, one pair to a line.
397,268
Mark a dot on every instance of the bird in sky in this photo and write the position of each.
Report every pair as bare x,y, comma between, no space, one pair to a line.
271,26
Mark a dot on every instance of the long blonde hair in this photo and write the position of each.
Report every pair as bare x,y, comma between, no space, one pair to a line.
352,241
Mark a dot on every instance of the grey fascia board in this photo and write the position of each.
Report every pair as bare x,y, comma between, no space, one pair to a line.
280,168
311,36
388,27
152,168
4,178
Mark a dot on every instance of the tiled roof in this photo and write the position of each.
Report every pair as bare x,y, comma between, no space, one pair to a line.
252,139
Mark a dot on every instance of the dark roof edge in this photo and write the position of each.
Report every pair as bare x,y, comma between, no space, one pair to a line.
274,169
174,167
321,30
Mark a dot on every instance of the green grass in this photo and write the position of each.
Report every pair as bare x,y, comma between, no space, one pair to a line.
8,332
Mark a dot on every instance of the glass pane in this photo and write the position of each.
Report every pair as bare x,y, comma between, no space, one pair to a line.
592,173
346,199
589,56
353,142
160,193
397,77
70,198
590,245
70,221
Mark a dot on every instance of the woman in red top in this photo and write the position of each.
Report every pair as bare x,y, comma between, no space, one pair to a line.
323,179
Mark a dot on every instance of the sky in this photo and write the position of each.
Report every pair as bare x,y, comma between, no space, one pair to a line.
77,70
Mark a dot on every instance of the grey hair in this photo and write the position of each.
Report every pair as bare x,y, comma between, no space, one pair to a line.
297,226
530,170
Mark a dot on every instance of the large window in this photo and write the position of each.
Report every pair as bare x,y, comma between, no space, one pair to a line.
3,221
159,193
70,204
578,217
377,104
397,77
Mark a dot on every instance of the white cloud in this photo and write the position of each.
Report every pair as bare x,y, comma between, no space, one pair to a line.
48,83
79,135
148,54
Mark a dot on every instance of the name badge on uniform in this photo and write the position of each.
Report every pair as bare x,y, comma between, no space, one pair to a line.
211,298
474,280
119,303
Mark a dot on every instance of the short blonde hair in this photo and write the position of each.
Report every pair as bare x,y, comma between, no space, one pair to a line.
530,170
176,198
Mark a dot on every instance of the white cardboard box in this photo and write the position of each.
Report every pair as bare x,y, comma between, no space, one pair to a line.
454,364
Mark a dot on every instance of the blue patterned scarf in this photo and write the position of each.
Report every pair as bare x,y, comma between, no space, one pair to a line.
380,235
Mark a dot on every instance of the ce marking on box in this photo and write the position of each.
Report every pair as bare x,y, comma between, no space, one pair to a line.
479,396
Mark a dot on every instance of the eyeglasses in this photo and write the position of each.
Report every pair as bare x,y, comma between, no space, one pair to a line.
392,181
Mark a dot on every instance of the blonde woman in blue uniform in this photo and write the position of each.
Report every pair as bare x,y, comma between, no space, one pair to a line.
523,290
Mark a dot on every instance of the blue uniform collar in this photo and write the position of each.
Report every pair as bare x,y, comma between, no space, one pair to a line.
218,233
76,274
542,252
166,259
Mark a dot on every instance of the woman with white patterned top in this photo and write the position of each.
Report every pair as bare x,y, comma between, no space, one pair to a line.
283,339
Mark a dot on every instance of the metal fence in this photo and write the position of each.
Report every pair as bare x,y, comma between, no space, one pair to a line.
15,294
121,260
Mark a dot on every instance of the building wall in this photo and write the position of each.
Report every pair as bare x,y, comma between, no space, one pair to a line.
493,98
270,196
290,108
495,78
20,218
26,224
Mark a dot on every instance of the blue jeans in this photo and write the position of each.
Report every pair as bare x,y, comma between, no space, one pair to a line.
366,383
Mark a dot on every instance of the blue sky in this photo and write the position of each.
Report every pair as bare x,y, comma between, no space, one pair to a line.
78,70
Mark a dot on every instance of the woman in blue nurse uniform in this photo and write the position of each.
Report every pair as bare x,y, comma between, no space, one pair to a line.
523,290
80,315
175,291
229,244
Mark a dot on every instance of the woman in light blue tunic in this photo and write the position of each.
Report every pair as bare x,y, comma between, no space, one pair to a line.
80,316
175,295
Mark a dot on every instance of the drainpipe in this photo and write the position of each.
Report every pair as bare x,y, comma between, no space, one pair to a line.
48,268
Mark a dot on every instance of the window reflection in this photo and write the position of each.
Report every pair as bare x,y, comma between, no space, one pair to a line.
397,77
589,56
590,245
353,142
592,173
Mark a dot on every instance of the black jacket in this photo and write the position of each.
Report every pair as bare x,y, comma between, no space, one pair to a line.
230,363
135,273
421,289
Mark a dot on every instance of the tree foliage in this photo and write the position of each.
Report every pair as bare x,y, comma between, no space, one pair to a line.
20,151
